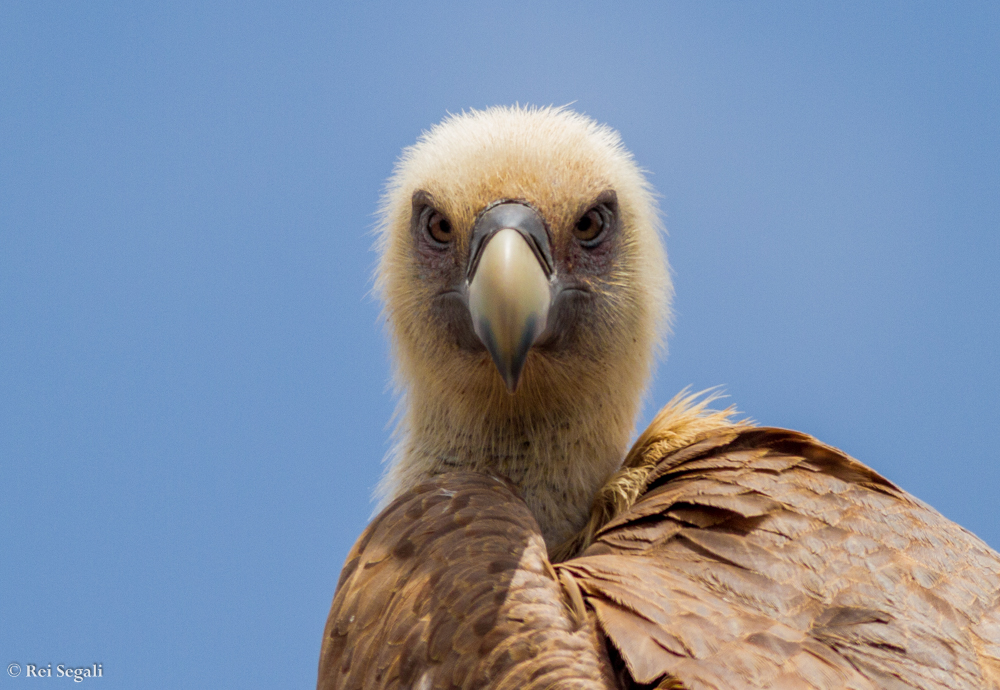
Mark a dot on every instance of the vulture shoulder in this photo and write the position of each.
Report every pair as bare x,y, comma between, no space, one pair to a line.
450,587
749,558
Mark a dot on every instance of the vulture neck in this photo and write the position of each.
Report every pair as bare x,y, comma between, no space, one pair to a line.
559,449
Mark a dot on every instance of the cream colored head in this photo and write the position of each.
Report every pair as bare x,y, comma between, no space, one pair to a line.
567,423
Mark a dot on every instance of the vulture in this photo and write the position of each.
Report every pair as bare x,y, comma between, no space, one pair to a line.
524,543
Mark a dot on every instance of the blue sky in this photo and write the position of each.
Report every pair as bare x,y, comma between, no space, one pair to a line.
193,381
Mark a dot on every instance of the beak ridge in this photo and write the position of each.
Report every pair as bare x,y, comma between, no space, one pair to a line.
509,298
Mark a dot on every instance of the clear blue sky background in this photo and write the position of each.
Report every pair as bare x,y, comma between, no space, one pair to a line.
193,380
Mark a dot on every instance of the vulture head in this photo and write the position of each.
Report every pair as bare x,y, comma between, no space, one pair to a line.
526,291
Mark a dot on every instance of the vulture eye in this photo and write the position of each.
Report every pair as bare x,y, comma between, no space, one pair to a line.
589,230
439,228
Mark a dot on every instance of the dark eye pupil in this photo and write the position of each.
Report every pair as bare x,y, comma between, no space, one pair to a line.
438,228
589,227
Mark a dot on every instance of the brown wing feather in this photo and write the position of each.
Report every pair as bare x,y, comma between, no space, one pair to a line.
764,558
450,587
754,558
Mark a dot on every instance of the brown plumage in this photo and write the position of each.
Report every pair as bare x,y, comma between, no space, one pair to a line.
524,548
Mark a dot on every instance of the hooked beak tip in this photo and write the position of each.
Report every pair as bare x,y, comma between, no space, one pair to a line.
509,363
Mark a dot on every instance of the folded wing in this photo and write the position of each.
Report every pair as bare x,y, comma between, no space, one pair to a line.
450,587
763,558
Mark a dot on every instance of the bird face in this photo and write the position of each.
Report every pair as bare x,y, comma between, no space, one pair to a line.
521,259
513,288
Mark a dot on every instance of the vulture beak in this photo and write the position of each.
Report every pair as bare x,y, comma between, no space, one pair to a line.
509,284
